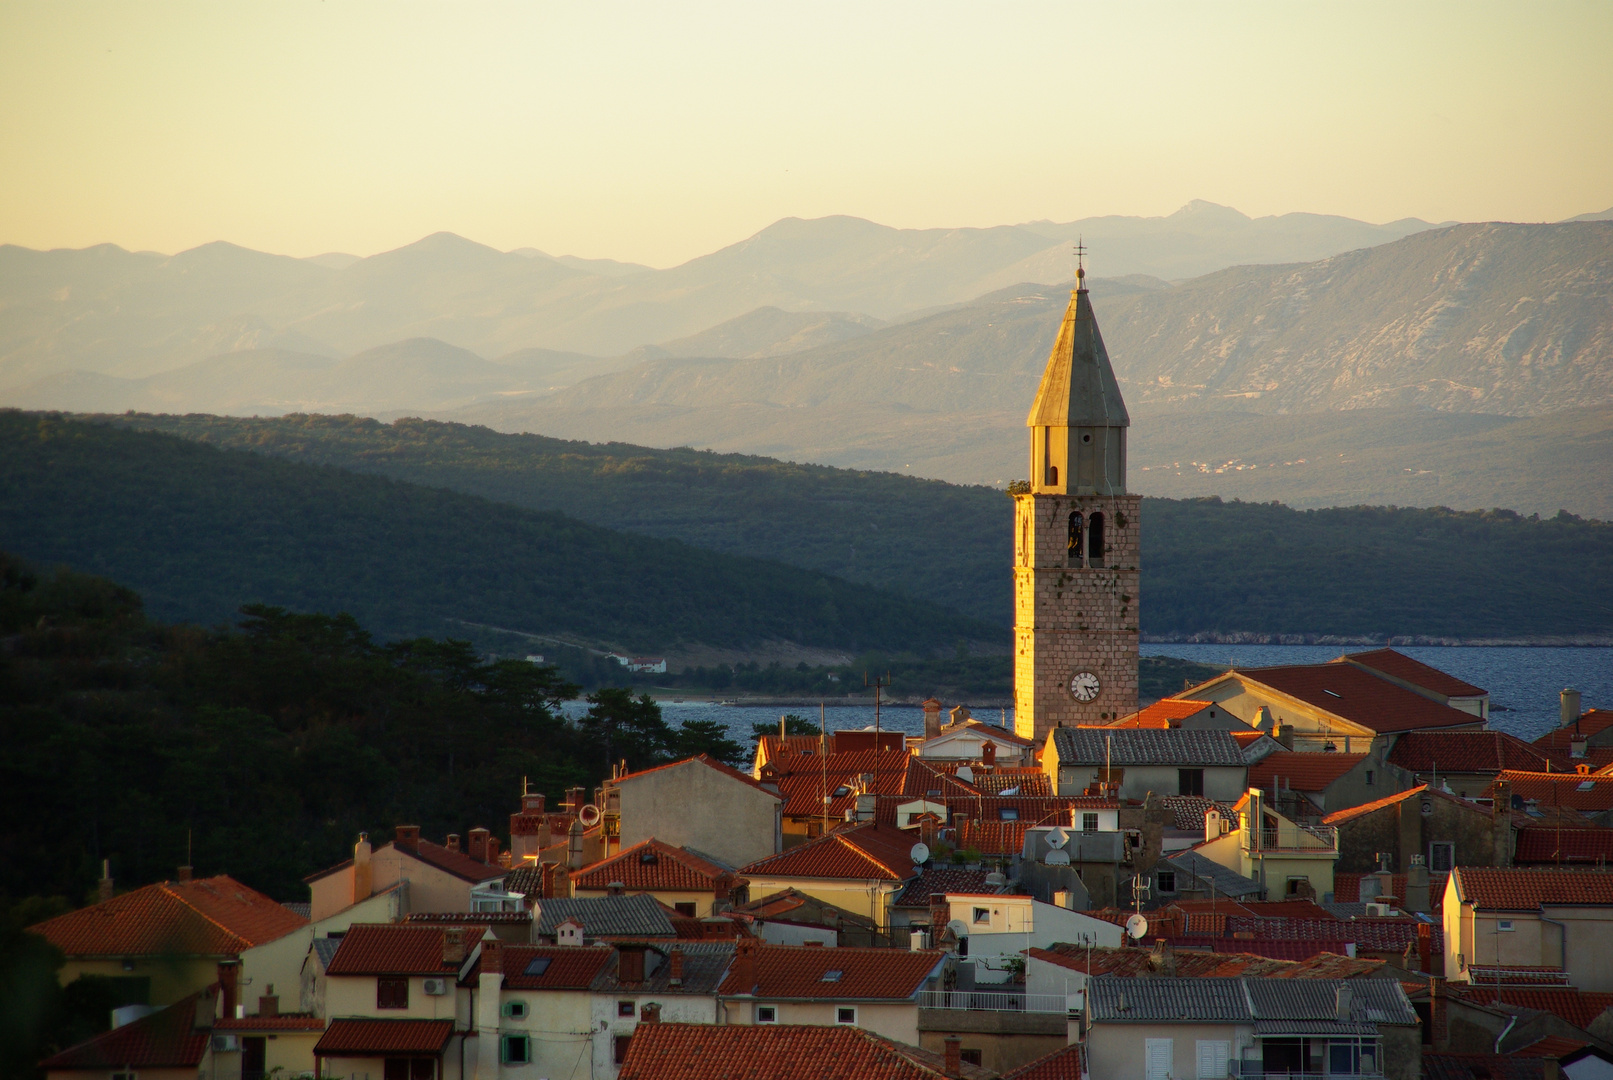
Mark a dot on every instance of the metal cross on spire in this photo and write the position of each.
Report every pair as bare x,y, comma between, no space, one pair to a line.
1080,265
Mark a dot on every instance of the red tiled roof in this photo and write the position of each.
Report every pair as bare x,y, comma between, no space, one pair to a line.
1400,666
1338,817
1160,714
939,880
669,868
1287,949
1549,845
396,949
995,731
1065,1064
373,1038
456,863
804,780
570,967
867,851
1558,739
1441,1066
1588,792
215,916
1527,888
281,1022
1303,962
1578,1007
1358,696
791,971
1465,752
995,838
666,1051
164,1040
1301,771
1552,1046
710,762
1347,888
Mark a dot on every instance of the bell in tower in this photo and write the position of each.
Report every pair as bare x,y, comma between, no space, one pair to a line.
1077,537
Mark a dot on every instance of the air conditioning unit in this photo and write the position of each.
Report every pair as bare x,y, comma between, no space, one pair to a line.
436,987
226,1044
1379,911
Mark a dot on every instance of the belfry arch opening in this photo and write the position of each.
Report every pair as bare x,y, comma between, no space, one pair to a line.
1073,548
1095,539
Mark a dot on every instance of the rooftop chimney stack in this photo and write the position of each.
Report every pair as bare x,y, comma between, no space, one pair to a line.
1212,824
1577,744
614,888
574,845
988,754
229,979
1343,1001
954,1056
363,872
185,873
745,965
478,845
932,718
1570,706
453,945
407,839
106,880
649,1013
453,842
269,1002
674,974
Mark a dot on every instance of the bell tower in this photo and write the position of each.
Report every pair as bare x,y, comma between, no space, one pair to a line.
1076,542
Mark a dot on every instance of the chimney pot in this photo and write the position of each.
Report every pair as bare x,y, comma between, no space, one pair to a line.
932,718
954,1056
363,872
675,967
649,1013
478,845
453,945
185,873
453,842
1569,700
615,888
269,1004
492,957
106,880
745,965
407,839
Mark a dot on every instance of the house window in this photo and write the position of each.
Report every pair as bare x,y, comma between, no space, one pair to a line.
1369,778
1504,925
1441,856
982,915
767,1014
1095,540
515,1010
1167,881
391,993
686,910
1298,885
1089,822
1190,782
515,1049
625,1008
969,1057
846,1014
619,1048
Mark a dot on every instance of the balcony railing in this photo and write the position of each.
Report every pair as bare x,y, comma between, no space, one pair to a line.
992,1001
1306,839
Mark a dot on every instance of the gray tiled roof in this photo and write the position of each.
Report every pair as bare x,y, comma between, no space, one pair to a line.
607,916
704,964
1227,882
1286,1004
325,948
1146,746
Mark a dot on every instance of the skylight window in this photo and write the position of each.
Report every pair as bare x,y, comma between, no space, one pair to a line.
1330,693
1586,785
842,791
831,976
538,966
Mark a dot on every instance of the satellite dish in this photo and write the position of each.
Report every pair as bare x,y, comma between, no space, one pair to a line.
1137,927
589,816
1058,838
966,774
920,854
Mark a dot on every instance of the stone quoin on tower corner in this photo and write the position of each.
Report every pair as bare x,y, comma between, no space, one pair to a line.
1076,542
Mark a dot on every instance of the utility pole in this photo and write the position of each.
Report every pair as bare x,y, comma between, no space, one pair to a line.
878,686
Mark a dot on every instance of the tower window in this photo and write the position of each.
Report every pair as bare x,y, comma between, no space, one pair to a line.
1074,551
1052,475
1095,540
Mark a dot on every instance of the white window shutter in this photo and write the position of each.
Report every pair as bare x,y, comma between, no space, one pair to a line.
1214,1055
1160,1057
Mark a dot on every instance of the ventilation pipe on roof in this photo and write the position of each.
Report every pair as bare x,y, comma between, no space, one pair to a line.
1343,1001
1570,707
106,880
363,872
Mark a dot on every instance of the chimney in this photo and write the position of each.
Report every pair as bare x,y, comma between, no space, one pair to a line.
493,858
488,1013
1576,744
185,873
269,1002
574,800
959,714
1212,824
932,718
865,806
674,967
954,1054
363,872
478,845
745,965
1425,947
1417,898
1570,706
988,754
574,844
229,978
453,945
649,1013
453,842
938,913
492,958
531,804
614,888
1343,999
407,839
106,880
1284,733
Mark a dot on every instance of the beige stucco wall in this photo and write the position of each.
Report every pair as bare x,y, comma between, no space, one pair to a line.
675,1009
1118,1051
1313,727
1474,937
374,1068
279,963
559,1024
895,1020
693,805
290,1051
852,896
171,978
354,995
1272,870
430,889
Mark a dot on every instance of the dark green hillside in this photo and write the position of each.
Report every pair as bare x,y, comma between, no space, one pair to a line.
1208,566
199,531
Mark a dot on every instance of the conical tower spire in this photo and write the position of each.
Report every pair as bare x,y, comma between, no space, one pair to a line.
1078,421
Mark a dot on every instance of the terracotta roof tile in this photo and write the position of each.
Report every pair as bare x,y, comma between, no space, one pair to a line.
1590,793
569,967
866,851
1361,697
1549,845
1404,668
216,916
374,1038
652,865
996,731
1578,1007
993,838
1161,714
772,1052
167,1039
1066,1064
1558,739
1527,888
1465,752
796,972
1552,1046
1300,771
396,949
1439,1066
282,1022
457,863
939,880
1338,817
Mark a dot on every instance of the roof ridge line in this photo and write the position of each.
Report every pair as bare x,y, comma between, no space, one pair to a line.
164,887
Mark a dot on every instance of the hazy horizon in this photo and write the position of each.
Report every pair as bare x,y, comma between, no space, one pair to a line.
651,135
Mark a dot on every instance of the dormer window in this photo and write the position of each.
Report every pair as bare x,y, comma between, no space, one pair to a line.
831,976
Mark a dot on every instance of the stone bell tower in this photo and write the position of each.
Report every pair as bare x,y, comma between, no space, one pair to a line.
1076,542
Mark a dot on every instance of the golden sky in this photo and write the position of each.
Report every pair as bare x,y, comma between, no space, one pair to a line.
657,132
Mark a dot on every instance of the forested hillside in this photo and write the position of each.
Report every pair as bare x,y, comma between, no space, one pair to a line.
199,531
1208,566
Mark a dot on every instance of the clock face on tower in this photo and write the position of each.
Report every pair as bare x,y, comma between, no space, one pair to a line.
1084,686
